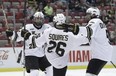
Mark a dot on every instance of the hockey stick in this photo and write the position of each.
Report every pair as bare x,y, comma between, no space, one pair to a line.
6,22
24,26
25,2
14,41
113,64
19,57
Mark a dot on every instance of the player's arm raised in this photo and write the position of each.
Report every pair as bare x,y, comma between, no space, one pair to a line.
75,29
71,28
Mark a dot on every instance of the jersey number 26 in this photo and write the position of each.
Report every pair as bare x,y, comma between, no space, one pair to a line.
57,47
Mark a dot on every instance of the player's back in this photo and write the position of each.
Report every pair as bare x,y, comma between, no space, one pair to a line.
99,30
59,45
99,41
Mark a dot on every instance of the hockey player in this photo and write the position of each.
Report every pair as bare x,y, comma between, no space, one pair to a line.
100,46
59,43
35,58
99,43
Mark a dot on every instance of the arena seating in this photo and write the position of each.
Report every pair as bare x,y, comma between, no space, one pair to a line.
18,6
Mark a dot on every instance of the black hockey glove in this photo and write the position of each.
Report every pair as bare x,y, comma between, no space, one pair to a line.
31,17
25,34
9,33
71,28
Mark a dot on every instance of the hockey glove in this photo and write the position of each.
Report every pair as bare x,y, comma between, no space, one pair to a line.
25,34
71,28
76,29
9,33
31,17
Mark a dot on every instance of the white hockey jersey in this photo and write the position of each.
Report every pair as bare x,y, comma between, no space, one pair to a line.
29,50
59,43
101,49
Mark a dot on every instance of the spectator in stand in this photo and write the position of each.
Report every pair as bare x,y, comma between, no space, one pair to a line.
78,5
30,11
49,12
41,4
31,8
31,3
111,29
71,5
84,3
38,4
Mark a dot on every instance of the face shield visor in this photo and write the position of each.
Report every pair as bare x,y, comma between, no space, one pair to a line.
38,22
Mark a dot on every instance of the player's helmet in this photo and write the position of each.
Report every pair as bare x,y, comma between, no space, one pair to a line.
93,12
38,19
58,20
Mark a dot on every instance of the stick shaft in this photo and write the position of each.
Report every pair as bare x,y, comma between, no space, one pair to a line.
6,21
113,64
25,2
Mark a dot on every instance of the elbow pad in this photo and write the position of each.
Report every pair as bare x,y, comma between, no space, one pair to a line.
89,32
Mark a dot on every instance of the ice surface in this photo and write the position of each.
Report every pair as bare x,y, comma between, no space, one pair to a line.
78,72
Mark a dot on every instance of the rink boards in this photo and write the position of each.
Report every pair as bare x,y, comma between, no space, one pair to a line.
78,58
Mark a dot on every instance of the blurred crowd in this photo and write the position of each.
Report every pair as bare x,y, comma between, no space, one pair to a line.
75,8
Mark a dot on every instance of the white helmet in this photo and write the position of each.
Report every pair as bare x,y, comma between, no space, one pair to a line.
38,19
59,19
93,11
39,14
